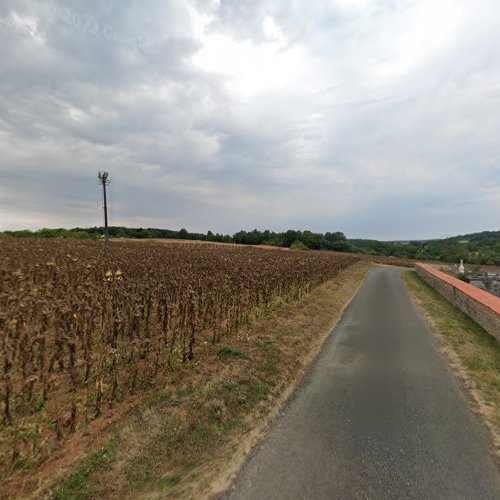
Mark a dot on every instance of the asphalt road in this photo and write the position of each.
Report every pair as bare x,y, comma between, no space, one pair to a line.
379,416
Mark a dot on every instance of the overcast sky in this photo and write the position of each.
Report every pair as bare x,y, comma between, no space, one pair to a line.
379,118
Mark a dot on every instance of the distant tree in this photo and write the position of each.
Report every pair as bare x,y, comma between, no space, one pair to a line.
337,236
289,237
48,233
478,248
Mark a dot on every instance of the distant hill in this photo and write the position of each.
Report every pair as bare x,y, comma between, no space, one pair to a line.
476,248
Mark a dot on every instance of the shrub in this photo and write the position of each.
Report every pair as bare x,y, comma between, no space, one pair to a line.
298,245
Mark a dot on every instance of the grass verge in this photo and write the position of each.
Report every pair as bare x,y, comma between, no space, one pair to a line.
189,437
473,353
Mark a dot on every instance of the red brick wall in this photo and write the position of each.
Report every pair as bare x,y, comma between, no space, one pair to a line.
481,306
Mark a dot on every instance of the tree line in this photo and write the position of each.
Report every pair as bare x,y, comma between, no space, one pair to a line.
477,248
314,241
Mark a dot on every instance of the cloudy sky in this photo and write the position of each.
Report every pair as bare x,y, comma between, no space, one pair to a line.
379,118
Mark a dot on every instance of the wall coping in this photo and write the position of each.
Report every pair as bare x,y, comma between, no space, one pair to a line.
487,299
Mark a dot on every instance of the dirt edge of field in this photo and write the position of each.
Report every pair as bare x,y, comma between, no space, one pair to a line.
190,438
473,354
230,466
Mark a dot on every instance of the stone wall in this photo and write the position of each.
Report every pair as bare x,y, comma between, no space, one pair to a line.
481,306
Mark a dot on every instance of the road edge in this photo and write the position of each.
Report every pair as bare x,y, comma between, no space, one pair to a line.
475,400
227,478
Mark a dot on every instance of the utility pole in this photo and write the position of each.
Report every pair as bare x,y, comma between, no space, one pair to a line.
104,181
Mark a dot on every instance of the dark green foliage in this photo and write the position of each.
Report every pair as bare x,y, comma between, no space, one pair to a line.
315,241
75,234
478,248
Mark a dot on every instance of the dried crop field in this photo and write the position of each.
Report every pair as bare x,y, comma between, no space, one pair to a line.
385,261
84,327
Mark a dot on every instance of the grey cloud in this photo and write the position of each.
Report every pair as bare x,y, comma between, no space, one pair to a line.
380,134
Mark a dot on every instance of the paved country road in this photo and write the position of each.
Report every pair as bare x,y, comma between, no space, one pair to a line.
379,416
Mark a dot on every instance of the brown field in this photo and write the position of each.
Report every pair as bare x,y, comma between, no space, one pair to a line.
85,328
377,259
385,261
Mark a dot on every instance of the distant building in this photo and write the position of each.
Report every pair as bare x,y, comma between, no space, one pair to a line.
461,267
